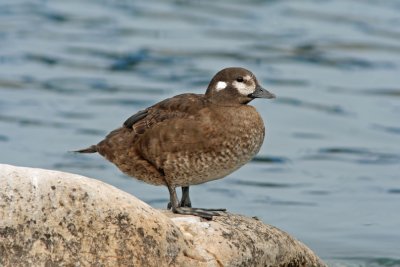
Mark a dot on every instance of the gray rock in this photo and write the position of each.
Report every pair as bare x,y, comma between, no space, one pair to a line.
51,218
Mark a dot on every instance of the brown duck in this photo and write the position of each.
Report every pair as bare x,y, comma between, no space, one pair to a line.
190,139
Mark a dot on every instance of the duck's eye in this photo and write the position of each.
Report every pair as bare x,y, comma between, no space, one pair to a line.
239,79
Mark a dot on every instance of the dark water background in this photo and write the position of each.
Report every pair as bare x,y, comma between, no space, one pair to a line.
329,170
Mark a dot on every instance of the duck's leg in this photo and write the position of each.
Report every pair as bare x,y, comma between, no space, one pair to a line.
173,198
185,200
204,213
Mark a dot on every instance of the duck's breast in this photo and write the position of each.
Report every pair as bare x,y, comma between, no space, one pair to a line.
231,137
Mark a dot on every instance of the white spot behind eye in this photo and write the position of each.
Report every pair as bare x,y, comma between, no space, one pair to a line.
221,85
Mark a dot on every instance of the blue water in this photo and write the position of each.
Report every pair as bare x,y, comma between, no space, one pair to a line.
329,170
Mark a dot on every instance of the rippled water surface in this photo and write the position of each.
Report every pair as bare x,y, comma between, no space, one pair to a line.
329,170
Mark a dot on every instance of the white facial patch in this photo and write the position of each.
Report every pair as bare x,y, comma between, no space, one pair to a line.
221,85
245,88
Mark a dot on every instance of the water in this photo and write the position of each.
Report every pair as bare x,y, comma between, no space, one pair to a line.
329,170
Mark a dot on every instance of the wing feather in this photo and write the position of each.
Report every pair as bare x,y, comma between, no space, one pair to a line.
180,106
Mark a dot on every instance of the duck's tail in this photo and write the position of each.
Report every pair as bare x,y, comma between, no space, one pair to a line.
91,149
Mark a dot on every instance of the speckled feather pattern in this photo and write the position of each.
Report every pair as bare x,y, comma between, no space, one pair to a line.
229,146
186,140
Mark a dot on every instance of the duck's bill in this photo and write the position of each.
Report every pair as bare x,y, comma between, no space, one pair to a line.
261,93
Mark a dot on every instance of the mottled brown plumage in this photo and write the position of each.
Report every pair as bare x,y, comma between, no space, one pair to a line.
190,138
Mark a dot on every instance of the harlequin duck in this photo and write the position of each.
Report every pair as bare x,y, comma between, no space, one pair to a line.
190,139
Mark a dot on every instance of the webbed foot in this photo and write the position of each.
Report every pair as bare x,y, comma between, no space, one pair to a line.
184,207
203,213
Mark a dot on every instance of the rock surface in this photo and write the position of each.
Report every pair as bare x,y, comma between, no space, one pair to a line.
51,218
